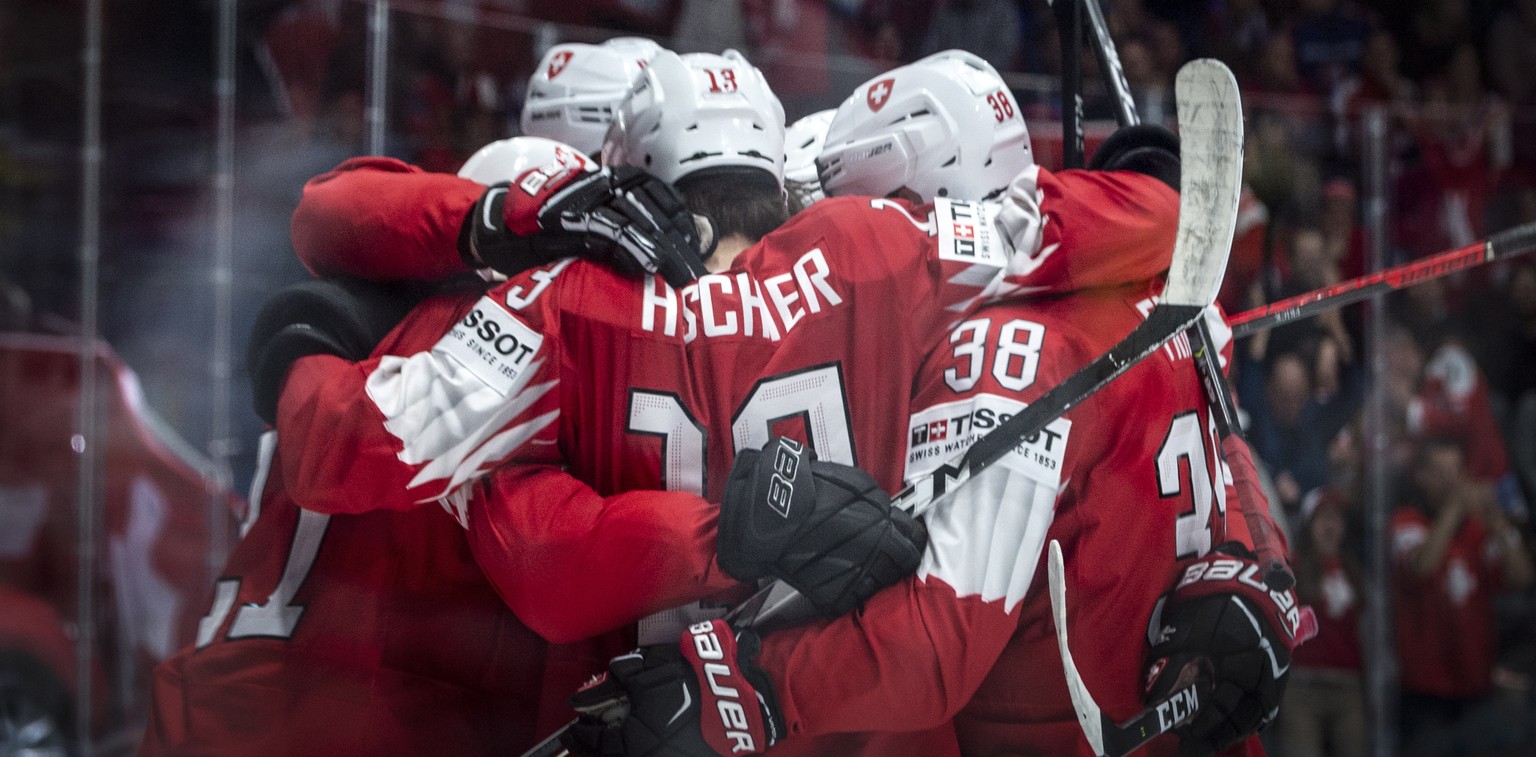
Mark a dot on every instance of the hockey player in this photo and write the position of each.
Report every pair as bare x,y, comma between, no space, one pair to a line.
944,126
573,90
1129,481
321,639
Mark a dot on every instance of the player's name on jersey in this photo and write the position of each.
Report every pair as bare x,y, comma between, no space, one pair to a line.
940,433
732,304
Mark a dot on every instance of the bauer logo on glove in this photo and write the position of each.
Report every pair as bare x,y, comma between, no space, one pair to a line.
786,463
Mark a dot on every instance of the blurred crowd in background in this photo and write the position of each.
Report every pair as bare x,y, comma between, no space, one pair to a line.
1454,366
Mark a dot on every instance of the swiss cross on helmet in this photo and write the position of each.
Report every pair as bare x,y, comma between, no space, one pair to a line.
557,63
879,93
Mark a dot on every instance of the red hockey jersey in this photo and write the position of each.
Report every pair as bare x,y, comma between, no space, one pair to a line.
356,634
1129,481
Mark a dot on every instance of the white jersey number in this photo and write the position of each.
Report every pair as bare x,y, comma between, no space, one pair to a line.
1184,441
277,616
1015,362
815,395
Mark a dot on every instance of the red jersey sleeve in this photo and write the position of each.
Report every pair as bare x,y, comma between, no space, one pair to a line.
572,564
381,219
1077,229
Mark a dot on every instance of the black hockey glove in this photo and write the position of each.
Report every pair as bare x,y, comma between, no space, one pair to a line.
622,217
1222,628
826,529
1144,148
341,317
703,698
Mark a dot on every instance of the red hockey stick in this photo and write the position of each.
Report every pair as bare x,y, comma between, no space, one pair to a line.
1505,244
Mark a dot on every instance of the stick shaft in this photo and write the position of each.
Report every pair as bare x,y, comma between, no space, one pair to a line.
1360,288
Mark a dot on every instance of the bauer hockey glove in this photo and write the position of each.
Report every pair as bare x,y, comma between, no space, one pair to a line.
1222,628
826,529
703,698
622,217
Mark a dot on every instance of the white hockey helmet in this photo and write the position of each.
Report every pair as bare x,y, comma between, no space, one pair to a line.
572,93
803,141
944,126
507,159
698,112
639,48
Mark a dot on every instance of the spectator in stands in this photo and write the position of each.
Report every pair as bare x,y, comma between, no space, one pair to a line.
1330,43
1519,386
1463,138
1379,82
1151,85
989,28
1512,52
1238,31
1289,428
1343,239
1324,710
1311,265
1453,550
1434,32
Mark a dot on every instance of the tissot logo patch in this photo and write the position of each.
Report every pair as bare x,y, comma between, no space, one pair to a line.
493,344
942,432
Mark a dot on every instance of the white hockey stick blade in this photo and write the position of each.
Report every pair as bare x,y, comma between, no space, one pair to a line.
1211,150
1108,738
1088,714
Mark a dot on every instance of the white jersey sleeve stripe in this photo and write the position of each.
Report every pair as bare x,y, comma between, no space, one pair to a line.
988,538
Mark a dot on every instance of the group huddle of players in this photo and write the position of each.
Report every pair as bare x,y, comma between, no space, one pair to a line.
688,366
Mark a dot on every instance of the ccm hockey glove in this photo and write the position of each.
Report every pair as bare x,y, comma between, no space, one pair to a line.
1223,628
826,529
703,698
622,217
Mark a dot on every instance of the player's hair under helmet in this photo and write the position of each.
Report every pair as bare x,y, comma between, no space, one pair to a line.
700,114
507,159
944,126
572,93
803,141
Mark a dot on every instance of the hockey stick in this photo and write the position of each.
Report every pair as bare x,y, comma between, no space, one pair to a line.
1108,738
1212,123
1224,411
1218,394
1069,35
1505,244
